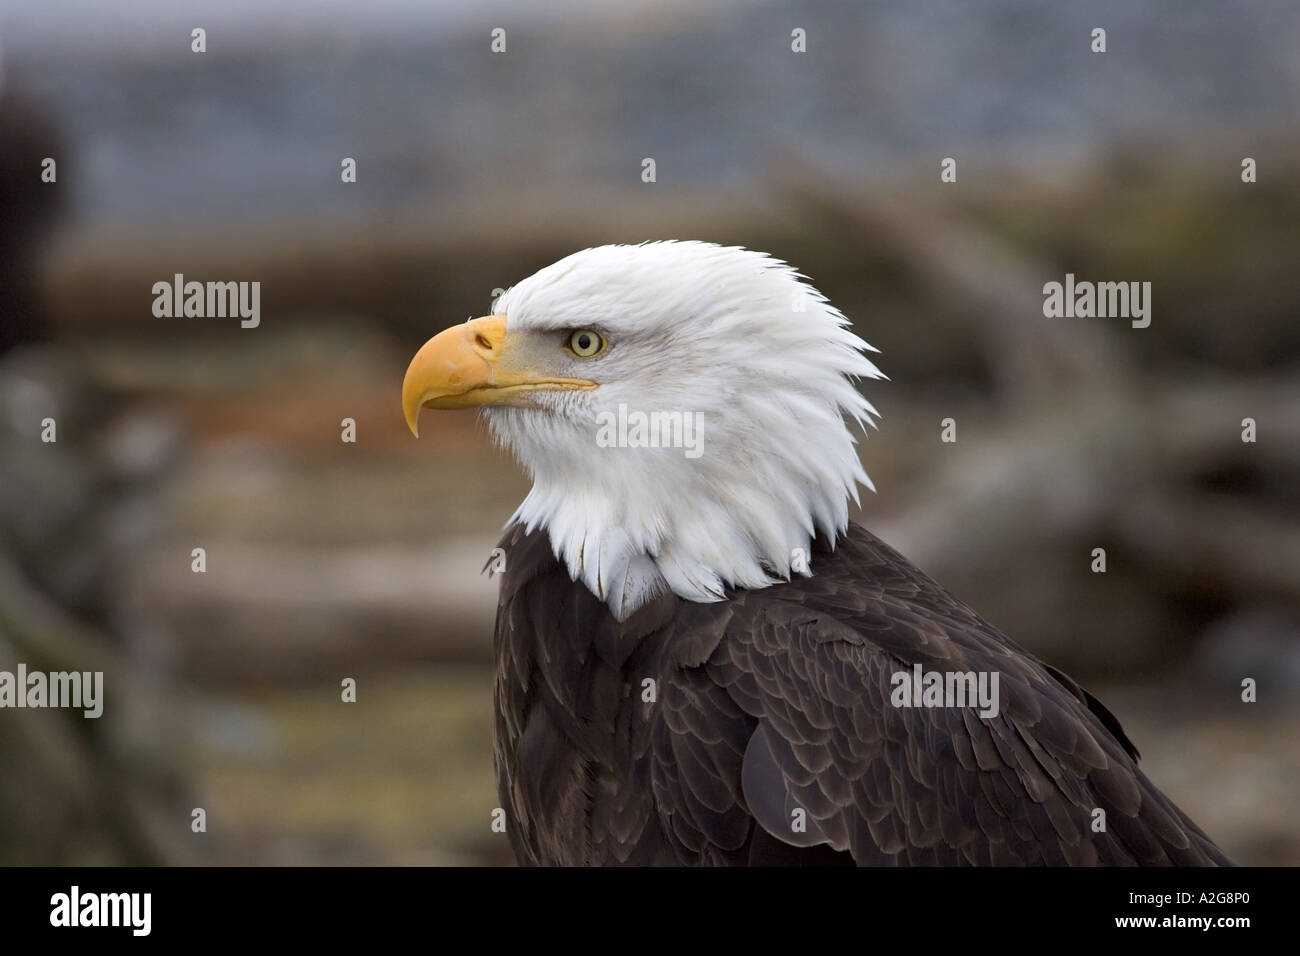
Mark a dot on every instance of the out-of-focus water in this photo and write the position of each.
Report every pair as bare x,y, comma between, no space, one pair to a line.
256,127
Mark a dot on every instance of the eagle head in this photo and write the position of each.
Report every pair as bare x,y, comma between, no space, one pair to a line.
685,411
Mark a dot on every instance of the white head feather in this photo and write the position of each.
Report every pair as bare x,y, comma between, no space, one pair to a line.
726,334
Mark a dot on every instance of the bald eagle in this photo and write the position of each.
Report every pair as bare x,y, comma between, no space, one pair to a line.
699,660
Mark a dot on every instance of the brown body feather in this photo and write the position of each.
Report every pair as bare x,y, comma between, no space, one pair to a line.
778,700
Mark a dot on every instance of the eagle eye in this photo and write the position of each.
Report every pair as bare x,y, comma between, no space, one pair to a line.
585,343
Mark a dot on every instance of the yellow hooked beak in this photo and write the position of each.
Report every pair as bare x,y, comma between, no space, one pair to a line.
474,364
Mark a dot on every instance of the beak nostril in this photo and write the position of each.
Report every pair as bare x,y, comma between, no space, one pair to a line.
482,342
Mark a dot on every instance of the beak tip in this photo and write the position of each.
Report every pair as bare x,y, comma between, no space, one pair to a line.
411,412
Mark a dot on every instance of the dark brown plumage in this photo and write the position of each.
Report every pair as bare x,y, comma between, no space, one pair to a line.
779,699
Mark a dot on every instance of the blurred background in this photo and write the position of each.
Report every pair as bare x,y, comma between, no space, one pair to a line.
327,560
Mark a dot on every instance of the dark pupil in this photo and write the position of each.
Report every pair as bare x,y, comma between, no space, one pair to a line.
584,342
